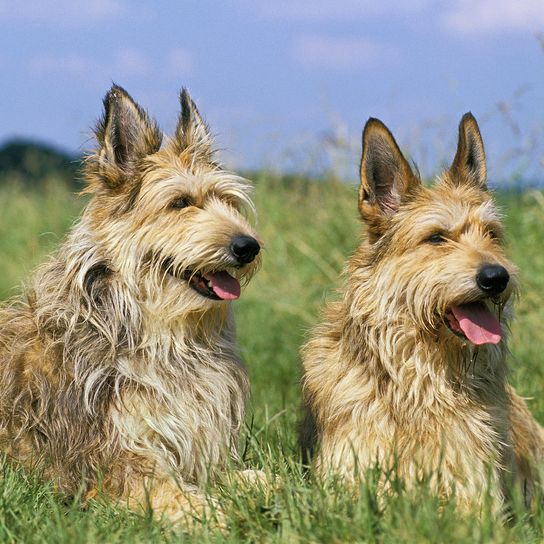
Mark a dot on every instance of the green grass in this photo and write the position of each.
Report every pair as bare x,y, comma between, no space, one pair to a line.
309,230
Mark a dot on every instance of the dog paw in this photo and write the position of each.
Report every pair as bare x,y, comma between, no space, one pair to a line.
191,510
253,477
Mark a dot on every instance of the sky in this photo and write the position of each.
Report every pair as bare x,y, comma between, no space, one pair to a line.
285,84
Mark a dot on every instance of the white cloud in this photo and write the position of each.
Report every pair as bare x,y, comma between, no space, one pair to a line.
471,16
130,63
66,12
125,63
327,10
180,62
459,16
338,53
70,64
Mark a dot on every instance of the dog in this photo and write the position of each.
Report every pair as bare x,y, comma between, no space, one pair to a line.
119,369
408,370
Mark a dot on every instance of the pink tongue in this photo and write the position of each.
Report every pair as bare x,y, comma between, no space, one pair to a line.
224,285
478,323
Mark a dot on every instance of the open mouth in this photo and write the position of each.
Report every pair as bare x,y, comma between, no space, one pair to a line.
218,285
475,322
215,285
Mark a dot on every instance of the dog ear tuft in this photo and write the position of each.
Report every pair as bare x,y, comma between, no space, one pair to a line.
192,132
386,176
469,164
125,134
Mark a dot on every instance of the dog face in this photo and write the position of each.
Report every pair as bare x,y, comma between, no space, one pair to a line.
169,220
436,254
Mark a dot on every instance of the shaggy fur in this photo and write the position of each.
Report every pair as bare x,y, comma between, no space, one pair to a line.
115,373
385,379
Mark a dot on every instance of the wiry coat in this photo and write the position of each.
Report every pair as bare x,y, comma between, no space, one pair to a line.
385,381
113,371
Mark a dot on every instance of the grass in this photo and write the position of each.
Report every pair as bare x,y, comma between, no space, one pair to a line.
309,231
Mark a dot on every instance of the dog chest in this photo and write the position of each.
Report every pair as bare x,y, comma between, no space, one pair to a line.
183,422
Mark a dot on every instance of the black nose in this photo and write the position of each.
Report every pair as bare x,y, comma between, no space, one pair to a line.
244,248
492,279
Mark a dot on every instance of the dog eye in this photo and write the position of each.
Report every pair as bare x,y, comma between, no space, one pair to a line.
493,234
181,202
436,238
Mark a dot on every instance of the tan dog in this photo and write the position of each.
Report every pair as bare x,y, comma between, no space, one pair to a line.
408,369
119,366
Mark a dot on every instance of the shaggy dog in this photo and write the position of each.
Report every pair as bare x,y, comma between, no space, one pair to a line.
119,369
408,369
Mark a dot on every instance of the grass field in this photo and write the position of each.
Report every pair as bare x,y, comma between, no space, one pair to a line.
309,230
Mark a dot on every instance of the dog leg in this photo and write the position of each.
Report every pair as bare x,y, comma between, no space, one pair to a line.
528,444
252,478
180,503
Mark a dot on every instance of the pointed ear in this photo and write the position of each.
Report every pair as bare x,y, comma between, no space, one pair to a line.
192,133
386,176
469,165
125,135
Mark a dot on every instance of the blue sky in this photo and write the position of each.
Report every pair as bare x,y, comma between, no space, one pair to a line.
285,83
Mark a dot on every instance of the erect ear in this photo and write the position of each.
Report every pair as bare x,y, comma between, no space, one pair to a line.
125,134
386,176
192,133
469,163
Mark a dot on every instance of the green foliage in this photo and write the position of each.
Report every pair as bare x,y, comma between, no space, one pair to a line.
31,225
309,230
32,164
